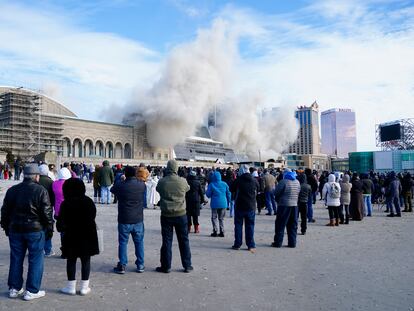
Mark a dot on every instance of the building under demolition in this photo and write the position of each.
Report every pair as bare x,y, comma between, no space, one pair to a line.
32,123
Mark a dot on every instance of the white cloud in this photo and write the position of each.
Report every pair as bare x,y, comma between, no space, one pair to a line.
46,47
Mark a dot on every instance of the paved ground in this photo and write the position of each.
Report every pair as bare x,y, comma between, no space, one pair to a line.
366,265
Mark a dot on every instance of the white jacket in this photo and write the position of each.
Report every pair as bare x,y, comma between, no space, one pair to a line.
326,192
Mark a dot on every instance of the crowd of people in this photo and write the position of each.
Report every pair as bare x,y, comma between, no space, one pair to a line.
44,198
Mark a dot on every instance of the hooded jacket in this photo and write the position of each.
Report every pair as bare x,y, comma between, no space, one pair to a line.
326,191
106,175
218,191
270,182
346,187
172,190
245,188
287,191
305,189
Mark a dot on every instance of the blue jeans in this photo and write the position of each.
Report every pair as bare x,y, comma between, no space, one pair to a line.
48,247
270,202
248,217
137,233
368,204
168,224
287,217
231,207
34,242
105,194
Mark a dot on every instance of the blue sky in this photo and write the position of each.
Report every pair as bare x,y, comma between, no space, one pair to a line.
93,55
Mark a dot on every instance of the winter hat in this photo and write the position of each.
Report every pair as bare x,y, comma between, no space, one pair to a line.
44,169
130,171
243,169
255,174
64,173
31,170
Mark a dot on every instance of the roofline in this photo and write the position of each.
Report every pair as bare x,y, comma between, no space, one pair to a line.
37,92
98,122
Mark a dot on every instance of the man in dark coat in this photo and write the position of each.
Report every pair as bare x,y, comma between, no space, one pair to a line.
407,186
245,188
313,183
26,217
130,194
392,194
305,191
193,198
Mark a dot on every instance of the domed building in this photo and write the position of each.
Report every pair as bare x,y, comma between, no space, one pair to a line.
32,123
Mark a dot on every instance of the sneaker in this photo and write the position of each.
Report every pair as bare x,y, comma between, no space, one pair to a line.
120,269
163,270
188,269
14,293
140,269
221,235
30,296
52,253
235,248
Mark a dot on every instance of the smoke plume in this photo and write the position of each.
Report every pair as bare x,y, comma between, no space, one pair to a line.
199,75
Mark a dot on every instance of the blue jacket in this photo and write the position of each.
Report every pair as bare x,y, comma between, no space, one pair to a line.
218,191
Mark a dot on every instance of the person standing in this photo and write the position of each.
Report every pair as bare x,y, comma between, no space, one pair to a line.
47,183
245,188
305,191
345,199
193,199
106,179
367,190
356,207
219,193
312,181
26,218
393,195
270,184
172,190
130,194
332,193
287,194
80,240
407,186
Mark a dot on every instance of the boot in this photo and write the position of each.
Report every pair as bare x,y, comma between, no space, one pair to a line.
70,288
347,220
196,229
189,228
337,222
85,289
331,223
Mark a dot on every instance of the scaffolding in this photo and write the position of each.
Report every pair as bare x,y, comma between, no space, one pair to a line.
24,129
406,141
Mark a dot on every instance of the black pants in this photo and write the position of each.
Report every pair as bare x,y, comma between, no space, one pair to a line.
333,212
71,268
303,210
194,218
168,224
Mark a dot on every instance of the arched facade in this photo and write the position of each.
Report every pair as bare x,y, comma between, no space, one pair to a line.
88,148
77,148
127,151
67,147
119,152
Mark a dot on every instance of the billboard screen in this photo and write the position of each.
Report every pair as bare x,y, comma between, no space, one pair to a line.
390,132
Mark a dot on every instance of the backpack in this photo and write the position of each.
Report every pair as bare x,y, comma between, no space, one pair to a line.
335,192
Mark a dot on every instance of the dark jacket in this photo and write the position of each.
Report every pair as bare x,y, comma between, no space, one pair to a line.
245,188
172,190
305,189
356,207
106,175
367,186
407,183
194,197
77,220
311,180
26,208
394,188
130,194
47,183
